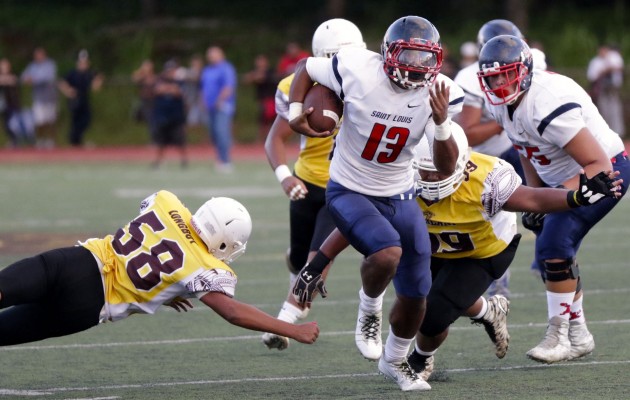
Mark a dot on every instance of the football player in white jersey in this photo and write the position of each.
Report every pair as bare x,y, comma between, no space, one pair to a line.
164,256
309,219
484,134
388,104
473,240
558,131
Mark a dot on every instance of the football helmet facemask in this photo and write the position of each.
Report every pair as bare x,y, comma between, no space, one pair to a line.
510,57
435,190
224,225
495,28
412,52
334,34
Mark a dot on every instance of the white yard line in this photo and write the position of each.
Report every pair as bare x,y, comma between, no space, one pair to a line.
50,391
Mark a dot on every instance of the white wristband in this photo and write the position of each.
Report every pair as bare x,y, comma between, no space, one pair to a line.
443,131
282,172
295,110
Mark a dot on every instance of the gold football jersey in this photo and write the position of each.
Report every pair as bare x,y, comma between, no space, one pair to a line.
471,222
155,258
315,153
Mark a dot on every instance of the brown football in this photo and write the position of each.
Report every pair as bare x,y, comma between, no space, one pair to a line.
327,108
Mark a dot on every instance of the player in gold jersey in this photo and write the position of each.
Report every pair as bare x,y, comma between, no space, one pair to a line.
164,256
310,222
472,225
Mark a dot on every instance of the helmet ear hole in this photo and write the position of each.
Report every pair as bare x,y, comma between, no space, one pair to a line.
222,246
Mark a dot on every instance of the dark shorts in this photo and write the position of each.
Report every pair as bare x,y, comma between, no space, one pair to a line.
55,293
310,224
563,232
458,283
170,134
372,223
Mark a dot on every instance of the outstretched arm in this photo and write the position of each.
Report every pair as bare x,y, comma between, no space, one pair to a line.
250,317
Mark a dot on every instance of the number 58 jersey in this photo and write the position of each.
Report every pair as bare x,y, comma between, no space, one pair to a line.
155,258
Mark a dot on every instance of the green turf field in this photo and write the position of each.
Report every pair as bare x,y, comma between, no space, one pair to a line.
199,356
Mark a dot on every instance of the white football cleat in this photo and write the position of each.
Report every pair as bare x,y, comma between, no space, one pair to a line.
273,341
403,375
368,335
556,345
582,342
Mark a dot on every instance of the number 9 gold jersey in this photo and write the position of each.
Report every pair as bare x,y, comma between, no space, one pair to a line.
155,258
470,223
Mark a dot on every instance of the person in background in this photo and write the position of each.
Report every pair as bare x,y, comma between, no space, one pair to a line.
77,86
468,54
164,256
18,123
262,77
288,61
218,90
144,78
196,115
41,75
168,116
558,132
605,74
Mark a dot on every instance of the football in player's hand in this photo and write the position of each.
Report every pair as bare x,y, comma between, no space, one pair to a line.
327,108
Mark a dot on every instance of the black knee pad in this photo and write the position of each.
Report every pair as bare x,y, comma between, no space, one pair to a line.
561,271
290,264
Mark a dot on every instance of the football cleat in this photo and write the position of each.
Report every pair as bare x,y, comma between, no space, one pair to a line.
273,341
556,345
495,323
422,365
582,342
368,335
403,375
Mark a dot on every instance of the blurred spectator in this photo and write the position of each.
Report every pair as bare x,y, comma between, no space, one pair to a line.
449,65
169,113
76,86
293,54
18,123
468,54
537,48
196,113
605,74
263,79
41,74
144,78
218,88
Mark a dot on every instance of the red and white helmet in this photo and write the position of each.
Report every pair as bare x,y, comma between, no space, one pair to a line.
224,225
435,190
334,34
412,52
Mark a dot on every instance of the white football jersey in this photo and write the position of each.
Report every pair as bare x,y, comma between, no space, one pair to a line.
381,124
551,113
467,79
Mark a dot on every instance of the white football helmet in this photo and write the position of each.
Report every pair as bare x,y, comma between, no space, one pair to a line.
224,225
334,34
423,160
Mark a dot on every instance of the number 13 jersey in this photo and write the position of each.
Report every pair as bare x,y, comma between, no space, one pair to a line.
381,124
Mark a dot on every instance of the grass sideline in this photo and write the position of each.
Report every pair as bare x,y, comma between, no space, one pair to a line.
197,355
